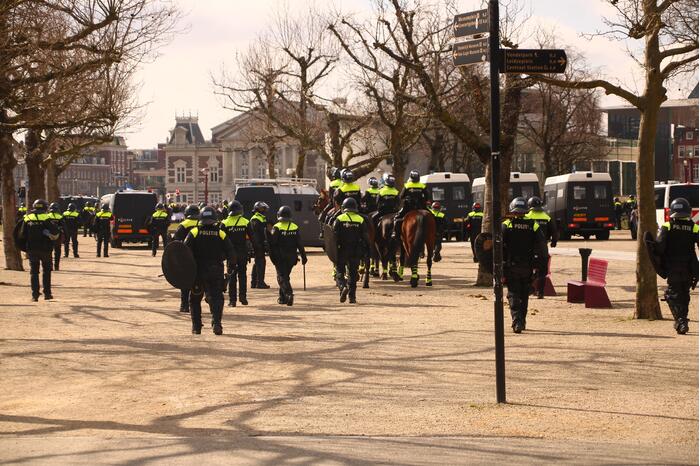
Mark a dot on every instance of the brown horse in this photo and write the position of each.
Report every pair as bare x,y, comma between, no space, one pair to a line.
418,232
384,247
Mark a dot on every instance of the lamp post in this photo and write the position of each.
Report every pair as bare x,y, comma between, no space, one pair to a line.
205,172
686,176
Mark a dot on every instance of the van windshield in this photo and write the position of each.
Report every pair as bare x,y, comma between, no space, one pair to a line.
688,191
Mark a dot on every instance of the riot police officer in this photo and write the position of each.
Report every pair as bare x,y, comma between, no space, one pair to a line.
414,196
436,210
335,182
57,219
238,231
347,189
258,226
210,247
617,209
21,211
38,233
388,197
369,198
474,220
158,224
71,222
352,240
548,227
88,217
523,244
190,221
676,244
285,241
630,204
102,227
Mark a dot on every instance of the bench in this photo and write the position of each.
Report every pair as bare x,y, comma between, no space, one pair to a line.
592,291
548,286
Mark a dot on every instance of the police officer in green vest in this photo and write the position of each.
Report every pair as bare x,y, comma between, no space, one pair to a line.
388,197
238,230
190,221
352,241
210,247
57,219
523,245
630,204
102,227
548,227
677,241
335,182
285,241
71,222
475,218
38,233
369,199
348,189
436,210
617,209
158,224
414,196
21,211
88,217
258,225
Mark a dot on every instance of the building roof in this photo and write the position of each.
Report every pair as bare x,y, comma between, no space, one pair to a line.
694,93
672,103
578,176
191,125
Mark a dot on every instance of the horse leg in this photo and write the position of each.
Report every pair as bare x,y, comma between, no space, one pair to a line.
429,262
414,276
402,261
365,281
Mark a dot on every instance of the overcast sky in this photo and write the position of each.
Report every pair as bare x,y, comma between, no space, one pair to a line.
179,81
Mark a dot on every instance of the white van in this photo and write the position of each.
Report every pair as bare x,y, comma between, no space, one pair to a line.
664,194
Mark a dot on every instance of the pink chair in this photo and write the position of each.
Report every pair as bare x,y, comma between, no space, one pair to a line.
591,292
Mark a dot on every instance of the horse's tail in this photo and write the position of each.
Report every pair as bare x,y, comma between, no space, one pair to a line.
418,240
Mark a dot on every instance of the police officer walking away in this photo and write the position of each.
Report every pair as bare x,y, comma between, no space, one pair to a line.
352,240
57,220
474,220
522,244
676,244
617,209
238,230
210,247
38,234
549,230
190,221
285,241
71,223
158,223
258,226
101,225
88,217
436,210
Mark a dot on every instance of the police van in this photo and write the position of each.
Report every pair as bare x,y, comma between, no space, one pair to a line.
665,193
521,185
79,202
298,193
131,210
581,204
452,191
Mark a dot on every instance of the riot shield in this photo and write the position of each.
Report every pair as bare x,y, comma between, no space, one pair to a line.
179,266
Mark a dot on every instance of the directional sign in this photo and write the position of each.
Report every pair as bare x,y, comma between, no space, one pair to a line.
471,52
469,24
532,61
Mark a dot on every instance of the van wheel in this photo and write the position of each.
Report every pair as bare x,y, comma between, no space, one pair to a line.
118,244
602,235
587,236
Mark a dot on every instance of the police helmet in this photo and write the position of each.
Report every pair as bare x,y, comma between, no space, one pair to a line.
235,208
534,203
285,213
332,173
414,176
71,207
89,204
436,206
348,176
192,211
208,216
349,204
389,180
373,182
260,206
616,199
105,207
160,206
631,197
518,206
54,207
680,207
40,205
476,207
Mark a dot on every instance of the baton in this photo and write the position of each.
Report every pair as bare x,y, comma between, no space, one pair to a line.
303,268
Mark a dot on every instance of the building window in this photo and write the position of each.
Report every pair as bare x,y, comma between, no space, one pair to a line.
213,175
689,136
681,151
179,174
244,169
262,169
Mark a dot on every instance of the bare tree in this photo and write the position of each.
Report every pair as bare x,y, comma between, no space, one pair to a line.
669,29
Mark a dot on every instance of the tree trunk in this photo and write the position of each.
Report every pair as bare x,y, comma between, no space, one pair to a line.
270,156
35,171
13,258
399,169
299,170
52,173
484,276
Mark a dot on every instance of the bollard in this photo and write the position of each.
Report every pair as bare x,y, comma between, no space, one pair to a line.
585,253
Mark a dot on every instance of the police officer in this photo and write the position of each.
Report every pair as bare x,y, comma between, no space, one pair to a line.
71,223
102,226
348,189
630,203
676,244
369,199
285,241
549,230
210,247
21,211
38,234
388,197
414,196
258,226
352,239
474,220
88,217
57,219
238,231
436,210
335,182
158,223
617,207
190,221
523,244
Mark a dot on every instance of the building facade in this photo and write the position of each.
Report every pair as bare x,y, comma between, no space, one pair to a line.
148,170
685,154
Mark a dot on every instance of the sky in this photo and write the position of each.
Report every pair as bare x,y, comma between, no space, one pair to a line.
179,81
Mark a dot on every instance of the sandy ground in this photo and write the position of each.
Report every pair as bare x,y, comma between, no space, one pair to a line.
108,372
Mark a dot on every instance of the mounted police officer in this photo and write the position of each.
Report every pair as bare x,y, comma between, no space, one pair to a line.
348,189
210,247
523,244
38,234
352,239
548,227
474,220
369,199
388,197
102,227
285,241
258,226
436,210
335,182
71,222
238,231
88,217
190,221
630,204
414,196
158,223
676,244
57,219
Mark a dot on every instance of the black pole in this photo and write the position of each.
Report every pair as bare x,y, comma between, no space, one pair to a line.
495,56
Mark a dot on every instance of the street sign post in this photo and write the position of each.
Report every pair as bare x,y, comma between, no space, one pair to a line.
471,52
472,23
533,61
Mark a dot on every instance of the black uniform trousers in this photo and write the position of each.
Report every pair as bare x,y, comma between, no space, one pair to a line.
284,266
102,243
184,299
237,273
472,242
70,236
347,266
257,277
678,292
156,234
519,281
56,254
209,284
37,260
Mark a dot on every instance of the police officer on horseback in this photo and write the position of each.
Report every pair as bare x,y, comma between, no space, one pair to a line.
352,239
369,199
414,196
335,182
348,189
